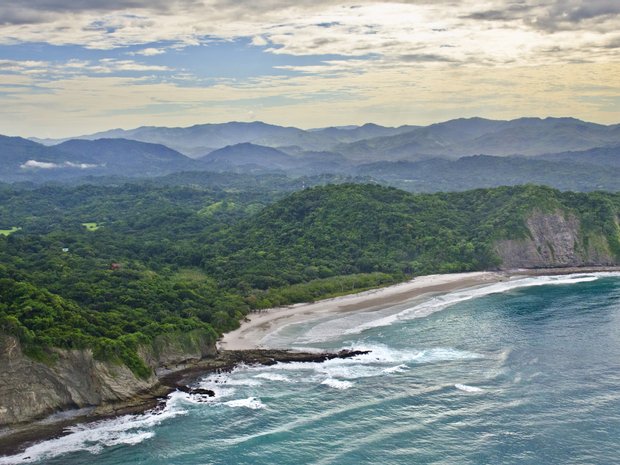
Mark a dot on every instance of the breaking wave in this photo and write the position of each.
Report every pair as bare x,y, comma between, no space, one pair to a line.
97,436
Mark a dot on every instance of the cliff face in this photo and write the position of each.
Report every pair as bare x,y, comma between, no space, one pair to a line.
30,390
555,240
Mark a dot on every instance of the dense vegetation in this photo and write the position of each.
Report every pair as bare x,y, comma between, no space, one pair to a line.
166,259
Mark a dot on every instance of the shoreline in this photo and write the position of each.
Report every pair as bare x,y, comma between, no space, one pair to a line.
237,344
258,325
54,426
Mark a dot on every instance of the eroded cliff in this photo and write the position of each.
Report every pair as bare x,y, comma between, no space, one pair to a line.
555,239
31,389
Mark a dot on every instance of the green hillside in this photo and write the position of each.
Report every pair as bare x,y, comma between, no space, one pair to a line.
339,230
167,260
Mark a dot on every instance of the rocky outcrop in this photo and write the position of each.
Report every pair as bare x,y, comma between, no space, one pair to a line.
555,240
31,389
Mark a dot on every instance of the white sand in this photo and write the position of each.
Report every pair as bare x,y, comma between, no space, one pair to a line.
259,325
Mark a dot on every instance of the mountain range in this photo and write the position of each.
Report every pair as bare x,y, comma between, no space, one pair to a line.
562,152
196,141
452,139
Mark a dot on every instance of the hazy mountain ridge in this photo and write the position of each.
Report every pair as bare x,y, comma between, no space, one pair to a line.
129,157
248,157
200,139
602,156
367,131
450,139
475,136
23,159
440,174
17,150
565,153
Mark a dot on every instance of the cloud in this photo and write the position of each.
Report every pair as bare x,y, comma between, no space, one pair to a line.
504,32
388,95
259,41
38,11
424,58
56,70
504,12
613,43
149,52
553,15
40,165
110,65
398,60
43,165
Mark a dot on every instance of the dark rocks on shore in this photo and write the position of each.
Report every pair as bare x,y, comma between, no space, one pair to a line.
179,378
196,391
227,360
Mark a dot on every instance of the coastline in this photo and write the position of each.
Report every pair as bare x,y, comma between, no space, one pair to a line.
14,439
242,345
258,325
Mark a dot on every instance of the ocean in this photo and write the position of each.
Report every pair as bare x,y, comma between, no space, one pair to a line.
520,372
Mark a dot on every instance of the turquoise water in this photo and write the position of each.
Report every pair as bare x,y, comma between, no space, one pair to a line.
523,372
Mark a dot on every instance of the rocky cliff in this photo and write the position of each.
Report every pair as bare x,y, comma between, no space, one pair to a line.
30,389
555,239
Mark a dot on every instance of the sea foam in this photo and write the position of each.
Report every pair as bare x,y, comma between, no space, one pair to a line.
251,403
466,388
337,384
96,436
272,377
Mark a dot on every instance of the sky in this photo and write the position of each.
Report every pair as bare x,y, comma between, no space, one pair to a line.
75,67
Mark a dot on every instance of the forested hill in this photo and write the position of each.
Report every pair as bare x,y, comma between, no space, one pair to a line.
352,228
113,268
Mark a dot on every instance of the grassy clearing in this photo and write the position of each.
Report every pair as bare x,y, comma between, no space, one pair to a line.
8,232
212,209
192,275
91,226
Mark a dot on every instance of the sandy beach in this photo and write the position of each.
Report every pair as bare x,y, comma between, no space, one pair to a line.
260,324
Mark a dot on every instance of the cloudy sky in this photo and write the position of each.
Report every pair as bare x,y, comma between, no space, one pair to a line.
73,67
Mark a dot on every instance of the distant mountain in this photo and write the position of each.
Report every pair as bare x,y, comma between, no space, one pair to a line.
357,133
600,156
16,151
249,158
311,163
21,158
370,142
465,137
565,153
440,174
196,141
129,157
533,136
246,157
25,160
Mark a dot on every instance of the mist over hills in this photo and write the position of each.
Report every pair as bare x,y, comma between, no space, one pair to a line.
454,155
122,156
24,160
